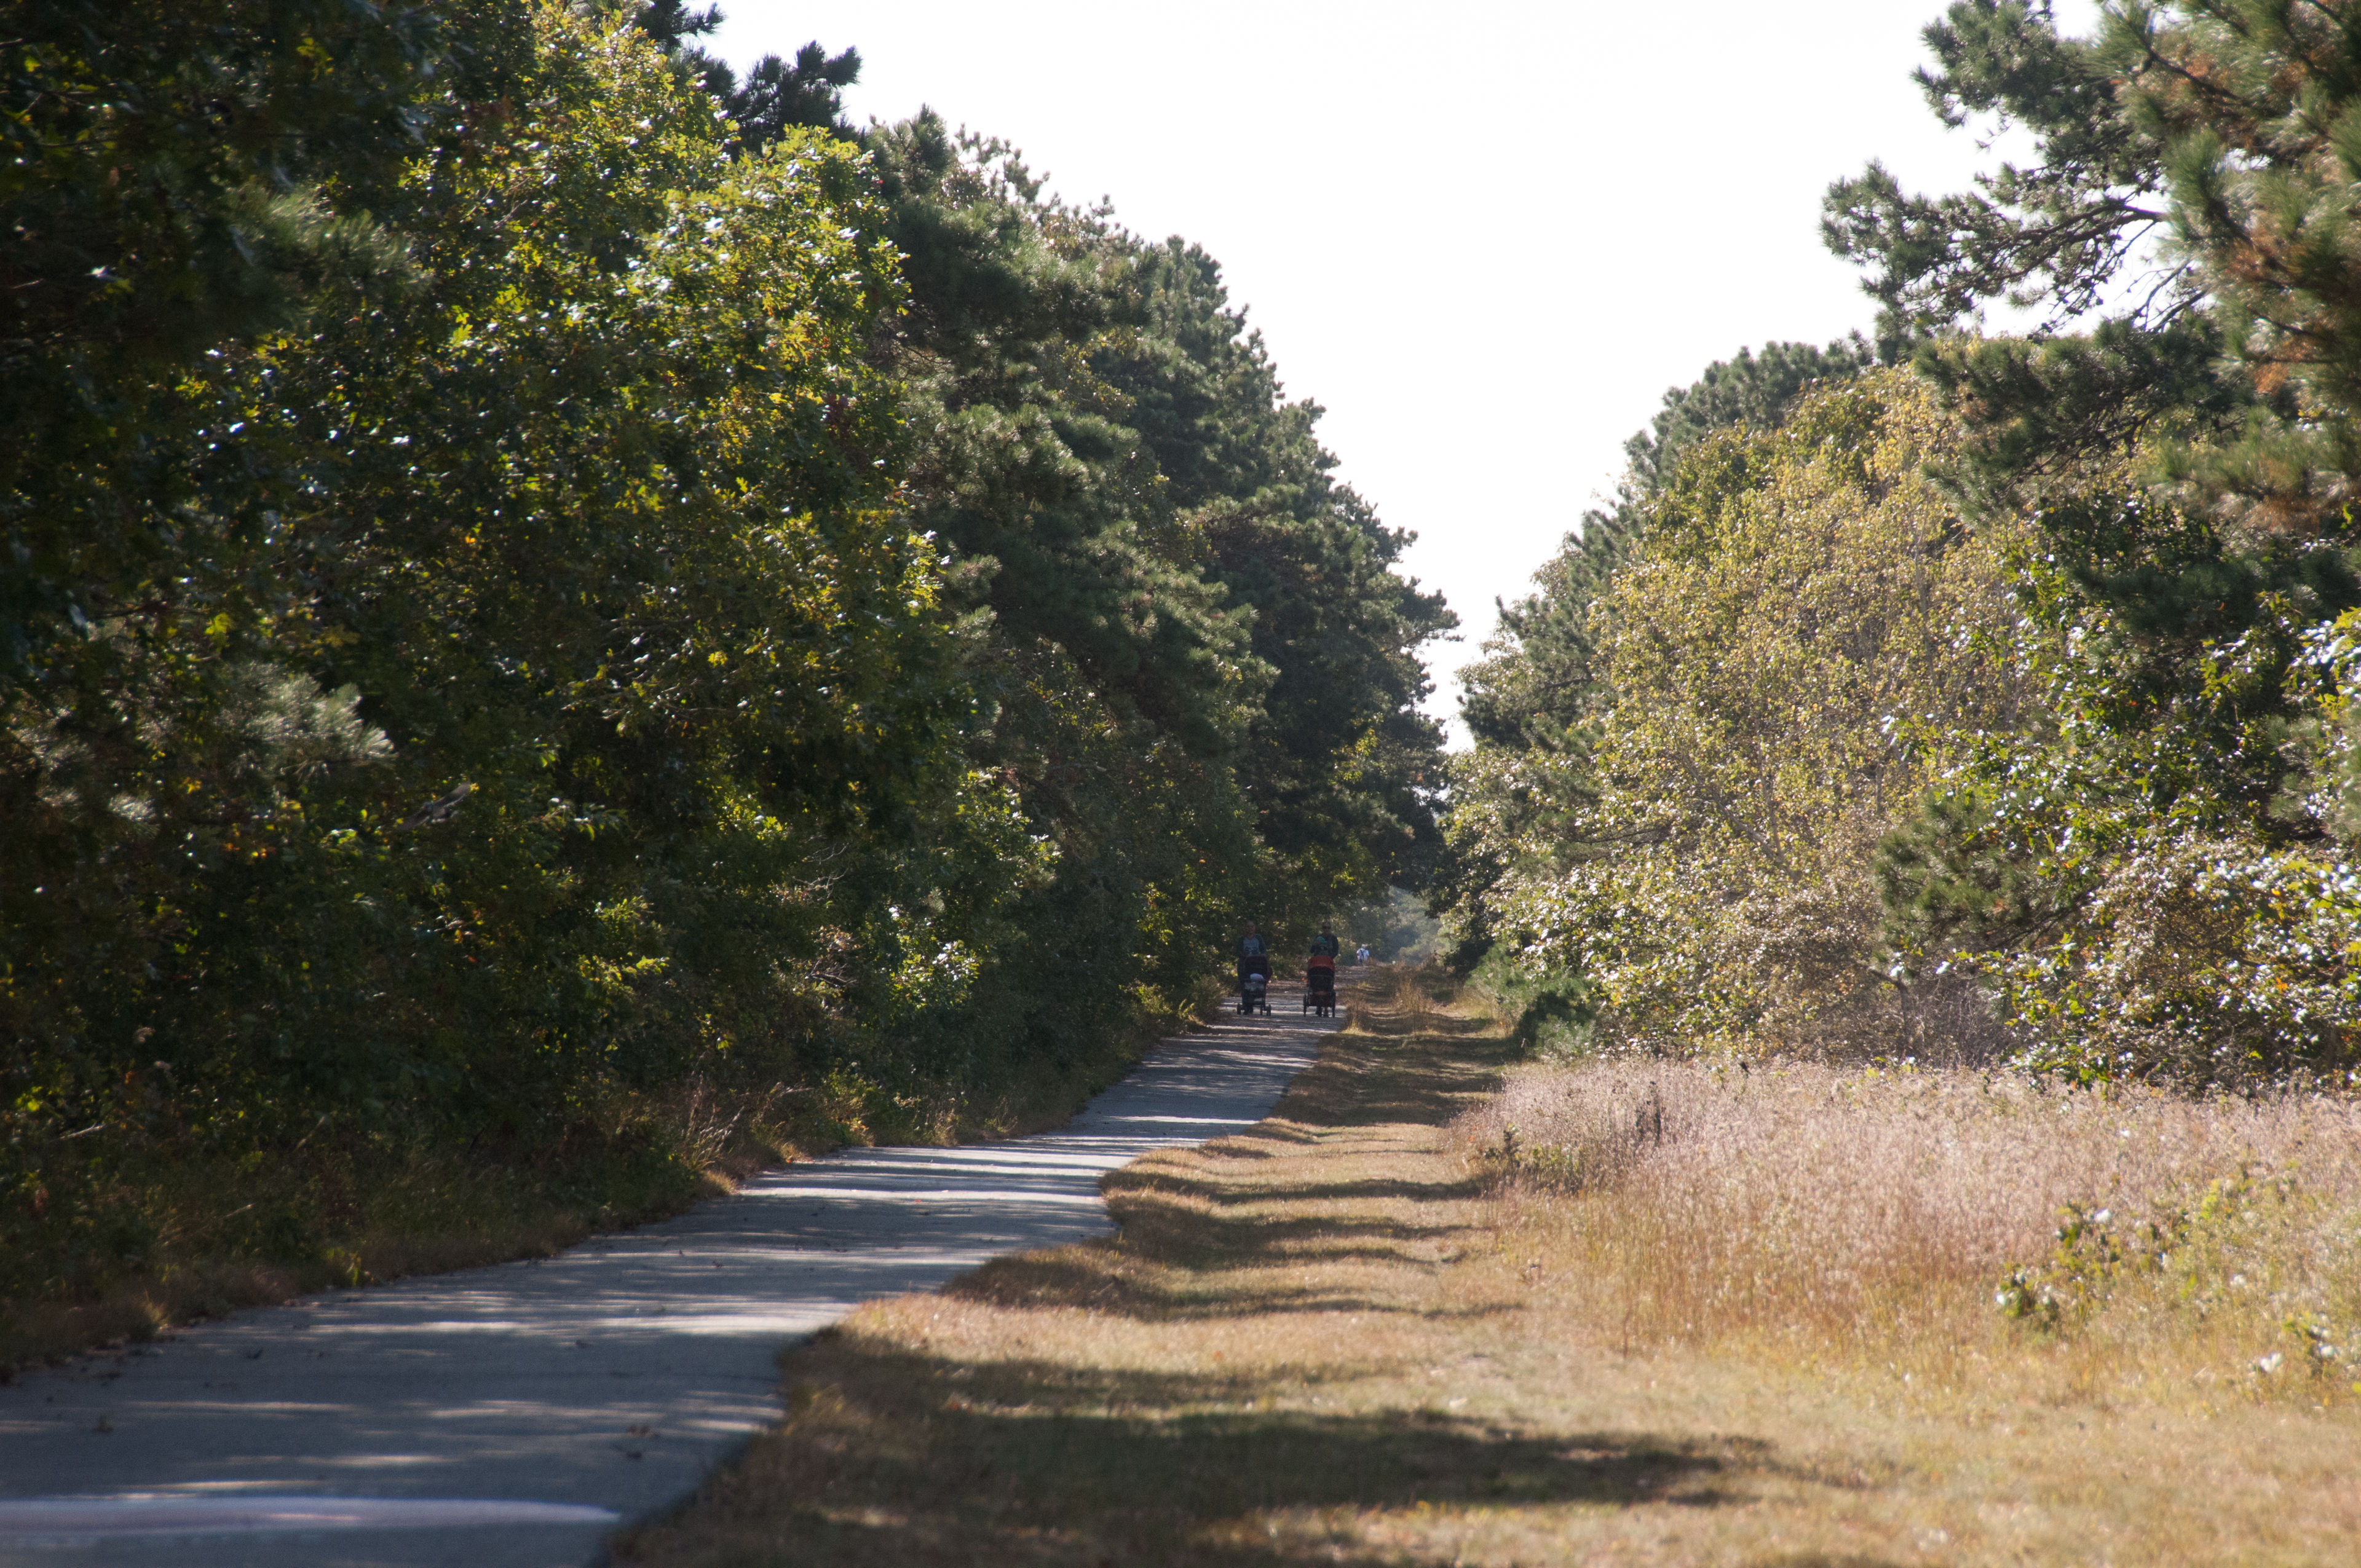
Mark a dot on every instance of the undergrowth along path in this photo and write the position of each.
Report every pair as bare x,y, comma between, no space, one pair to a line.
510,1417
1336,1338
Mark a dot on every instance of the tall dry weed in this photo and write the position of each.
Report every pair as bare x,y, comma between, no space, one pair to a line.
1408,999
1957,1226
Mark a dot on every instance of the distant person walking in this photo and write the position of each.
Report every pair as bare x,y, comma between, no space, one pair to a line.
1361,954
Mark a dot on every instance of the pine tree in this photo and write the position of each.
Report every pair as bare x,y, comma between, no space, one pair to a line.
2258,107
180,176
2057,233
775,95
2143,867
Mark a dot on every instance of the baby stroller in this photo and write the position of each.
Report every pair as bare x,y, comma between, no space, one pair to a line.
1253,986
1319,986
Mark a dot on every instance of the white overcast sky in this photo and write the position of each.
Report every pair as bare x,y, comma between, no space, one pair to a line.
1485,236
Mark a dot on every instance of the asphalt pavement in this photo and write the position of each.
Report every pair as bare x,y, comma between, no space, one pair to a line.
512,1417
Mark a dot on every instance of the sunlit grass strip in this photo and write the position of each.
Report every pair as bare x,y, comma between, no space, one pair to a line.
1338,1339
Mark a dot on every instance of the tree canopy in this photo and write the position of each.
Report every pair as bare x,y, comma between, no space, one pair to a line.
2116,808
555,587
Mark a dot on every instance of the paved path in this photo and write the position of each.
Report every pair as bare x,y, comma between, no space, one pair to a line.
509,1417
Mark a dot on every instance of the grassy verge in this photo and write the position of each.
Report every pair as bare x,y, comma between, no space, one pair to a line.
1972,1240
214,1236
209,1236
1343,1338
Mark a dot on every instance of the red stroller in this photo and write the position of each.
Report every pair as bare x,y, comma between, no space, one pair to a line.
1319,986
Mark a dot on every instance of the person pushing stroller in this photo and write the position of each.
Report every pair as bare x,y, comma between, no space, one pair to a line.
1254,971
1320,975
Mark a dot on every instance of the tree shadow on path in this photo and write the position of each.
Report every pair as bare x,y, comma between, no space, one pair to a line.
1161,1398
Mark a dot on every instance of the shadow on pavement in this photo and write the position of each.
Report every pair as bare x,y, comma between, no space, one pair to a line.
995,1450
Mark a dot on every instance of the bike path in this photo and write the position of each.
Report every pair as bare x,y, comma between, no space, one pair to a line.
511,1417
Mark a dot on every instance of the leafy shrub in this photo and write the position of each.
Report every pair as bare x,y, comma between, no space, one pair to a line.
1802,622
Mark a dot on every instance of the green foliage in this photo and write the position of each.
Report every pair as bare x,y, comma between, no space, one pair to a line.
2057,233
1801,621
1530,704
584,523
161,160
1535,687
1751,391
1396,928
2216,1252
664,617
2257,108
176,175
2138,761
2041,411
2156,873
1108,451
2234,124
2154,868
776,96
2227,123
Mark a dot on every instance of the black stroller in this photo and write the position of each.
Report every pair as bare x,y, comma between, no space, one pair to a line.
1254,984
1319,986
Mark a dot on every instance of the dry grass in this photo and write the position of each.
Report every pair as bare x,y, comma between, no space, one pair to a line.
1405,1000
1339,1339
1973,1233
